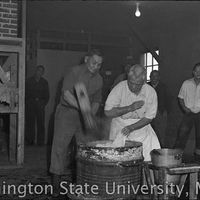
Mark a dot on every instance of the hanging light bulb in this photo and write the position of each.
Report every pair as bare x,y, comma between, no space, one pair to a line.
137,12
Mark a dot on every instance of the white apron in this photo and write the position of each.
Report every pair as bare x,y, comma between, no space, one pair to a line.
146,135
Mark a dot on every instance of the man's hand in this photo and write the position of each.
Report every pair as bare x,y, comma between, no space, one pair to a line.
90,121
185,109
136,105
119,111
127,130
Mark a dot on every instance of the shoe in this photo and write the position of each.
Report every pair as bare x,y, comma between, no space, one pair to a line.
56,185
55,195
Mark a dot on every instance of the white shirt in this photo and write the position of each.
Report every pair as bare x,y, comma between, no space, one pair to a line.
190,93
121,96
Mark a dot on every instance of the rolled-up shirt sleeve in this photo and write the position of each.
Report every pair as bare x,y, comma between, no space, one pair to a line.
182,92
114,98
151,105
69,81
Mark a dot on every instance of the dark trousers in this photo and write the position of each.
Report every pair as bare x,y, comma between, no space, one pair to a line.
159,124
67,125
185,128
35,117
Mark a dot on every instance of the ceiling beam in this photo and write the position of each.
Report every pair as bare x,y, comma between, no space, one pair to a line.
136,35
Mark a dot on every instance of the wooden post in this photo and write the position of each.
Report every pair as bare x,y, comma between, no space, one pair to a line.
149,181
22,54
13,138
182,181
192,189
162,177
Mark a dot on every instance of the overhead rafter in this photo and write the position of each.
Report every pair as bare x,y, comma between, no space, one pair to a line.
136,35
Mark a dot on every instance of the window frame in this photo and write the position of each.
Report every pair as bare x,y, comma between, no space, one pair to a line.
150,63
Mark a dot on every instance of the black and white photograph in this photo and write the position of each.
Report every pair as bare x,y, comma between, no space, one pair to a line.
99,100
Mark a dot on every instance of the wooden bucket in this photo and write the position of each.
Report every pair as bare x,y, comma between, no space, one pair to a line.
165,158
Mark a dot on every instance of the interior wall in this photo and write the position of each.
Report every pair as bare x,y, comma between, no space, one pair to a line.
114,58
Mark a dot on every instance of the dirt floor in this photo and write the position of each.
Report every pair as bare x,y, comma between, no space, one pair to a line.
34,172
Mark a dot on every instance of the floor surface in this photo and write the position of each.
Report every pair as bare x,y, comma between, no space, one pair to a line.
32,181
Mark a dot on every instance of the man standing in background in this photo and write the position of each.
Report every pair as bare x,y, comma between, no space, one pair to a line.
189,99
37,97
159,123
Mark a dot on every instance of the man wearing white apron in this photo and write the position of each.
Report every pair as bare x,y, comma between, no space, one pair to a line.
132,104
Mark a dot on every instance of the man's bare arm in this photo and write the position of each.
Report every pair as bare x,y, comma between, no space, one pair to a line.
139,124
185,109
70,99
119,111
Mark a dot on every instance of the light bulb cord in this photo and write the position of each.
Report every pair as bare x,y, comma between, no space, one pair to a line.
137,12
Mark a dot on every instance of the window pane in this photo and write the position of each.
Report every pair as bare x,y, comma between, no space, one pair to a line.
154,61
149,69
155,67
149,59
157,52
145,59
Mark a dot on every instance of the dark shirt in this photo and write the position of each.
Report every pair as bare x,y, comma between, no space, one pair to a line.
37,90
92,82
163,97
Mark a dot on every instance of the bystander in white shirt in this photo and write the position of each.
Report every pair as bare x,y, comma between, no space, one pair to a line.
190,93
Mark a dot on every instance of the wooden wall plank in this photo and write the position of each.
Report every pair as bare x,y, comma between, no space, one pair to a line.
7,48
13,138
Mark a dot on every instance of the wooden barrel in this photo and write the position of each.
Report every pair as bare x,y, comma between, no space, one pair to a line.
114,172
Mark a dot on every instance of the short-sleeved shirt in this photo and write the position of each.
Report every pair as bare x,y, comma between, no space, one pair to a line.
190,93
121,96
92,82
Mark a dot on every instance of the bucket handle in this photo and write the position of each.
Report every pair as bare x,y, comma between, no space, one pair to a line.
121,164
178,156
156,152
